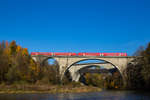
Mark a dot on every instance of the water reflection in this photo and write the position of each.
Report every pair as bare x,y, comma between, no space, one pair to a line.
105,95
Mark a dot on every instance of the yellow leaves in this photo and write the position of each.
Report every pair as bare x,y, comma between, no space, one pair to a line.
34,67
7,51
25,52
12,47
112,84
116,87
18,48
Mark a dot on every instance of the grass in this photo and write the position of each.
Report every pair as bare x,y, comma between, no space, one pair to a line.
28,88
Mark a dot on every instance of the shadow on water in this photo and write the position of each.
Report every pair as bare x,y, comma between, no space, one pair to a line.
104,95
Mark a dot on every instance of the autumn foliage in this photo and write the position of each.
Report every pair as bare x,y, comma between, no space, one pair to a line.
106,81
16,65
138,73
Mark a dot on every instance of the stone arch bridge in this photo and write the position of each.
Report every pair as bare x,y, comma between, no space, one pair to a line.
70,62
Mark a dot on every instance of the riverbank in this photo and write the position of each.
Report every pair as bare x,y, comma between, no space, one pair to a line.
13,89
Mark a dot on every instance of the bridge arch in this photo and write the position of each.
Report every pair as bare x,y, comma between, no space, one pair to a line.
90,66
55,64
46,59
71,65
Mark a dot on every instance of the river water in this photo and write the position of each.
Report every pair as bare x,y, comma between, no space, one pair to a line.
104,95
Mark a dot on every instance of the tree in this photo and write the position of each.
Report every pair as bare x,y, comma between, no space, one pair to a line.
4,61
138,72
146,65
13,48
139,51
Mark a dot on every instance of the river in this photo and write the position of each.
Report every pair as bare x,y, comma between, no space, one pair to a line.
104,95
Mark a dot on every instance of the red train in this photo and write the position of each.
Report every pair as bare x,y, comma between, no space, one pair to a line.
77,54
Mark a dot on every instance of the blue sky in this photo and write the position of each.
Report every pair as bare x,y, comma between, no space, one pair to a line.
76,25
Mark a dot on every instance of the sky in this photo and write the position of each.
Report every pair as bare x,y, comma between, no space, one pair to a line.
76,25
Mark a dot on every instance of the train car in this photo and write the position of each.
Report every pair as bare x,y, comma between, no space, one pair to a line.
113,54
42,53
64,54
123,54
88,54
102,54
46,53
34,53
